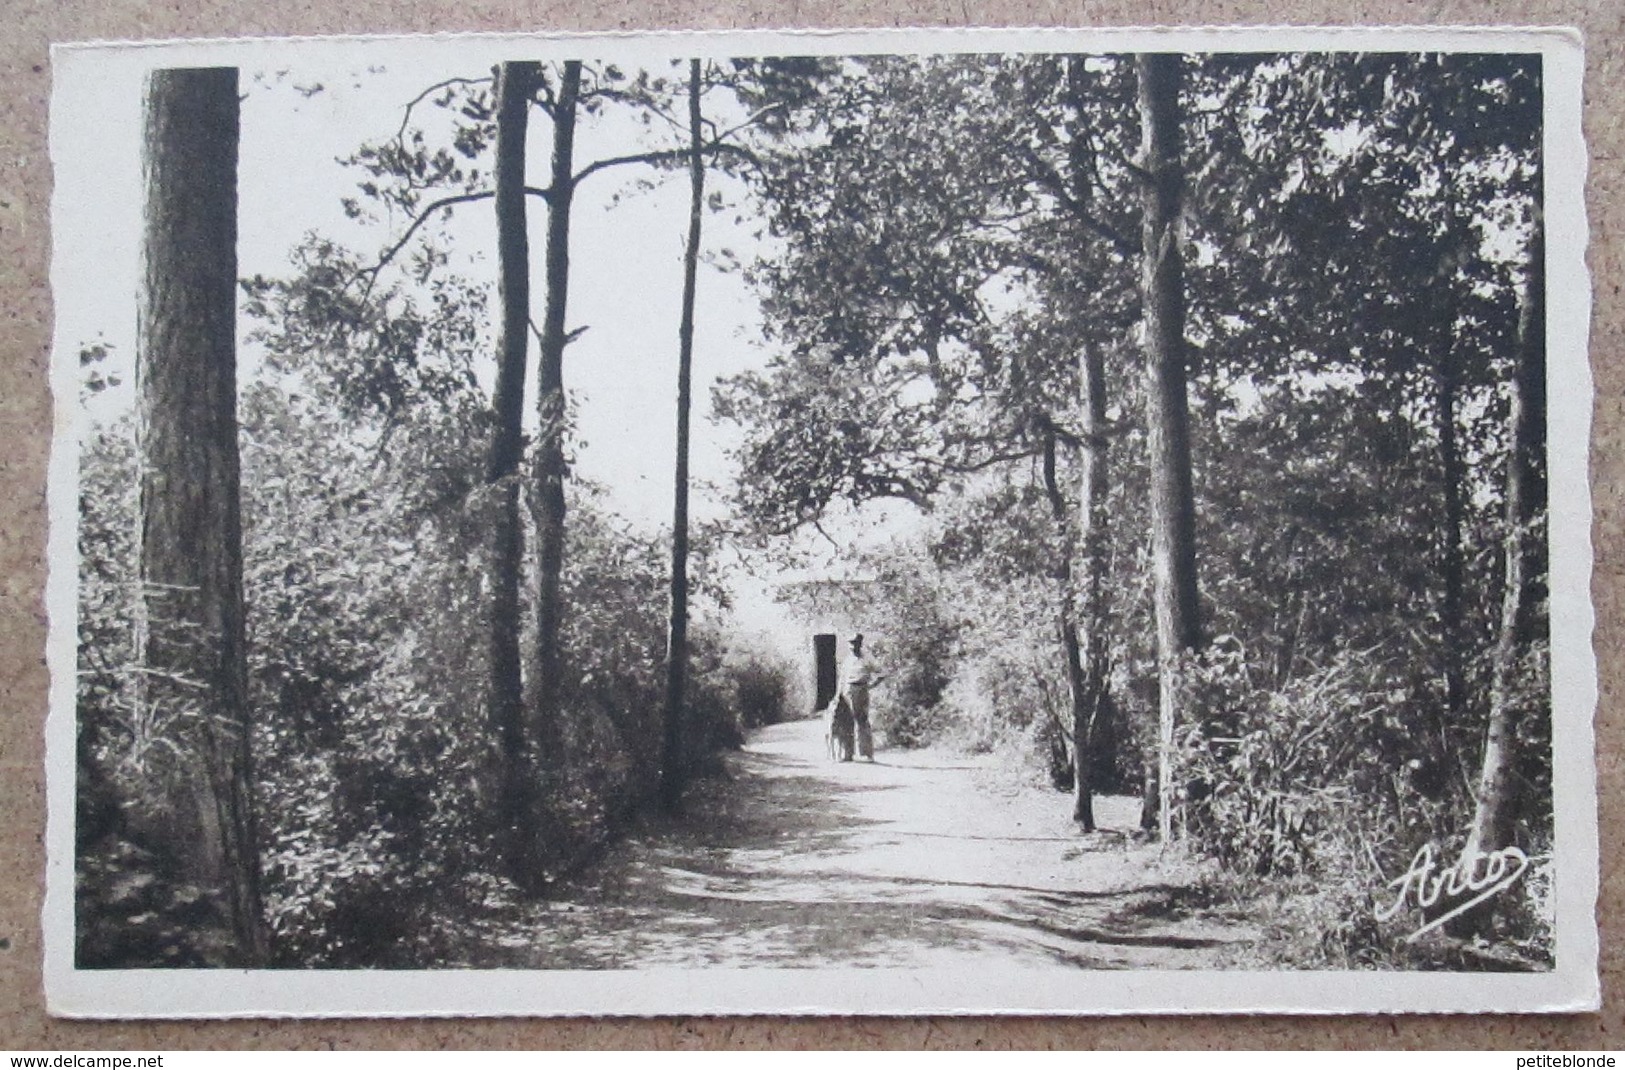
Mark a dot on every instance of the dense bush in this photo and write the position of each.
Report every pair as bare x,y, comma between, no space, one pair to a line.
375,767
763,687
1253,784
132,904
1319,793
916,658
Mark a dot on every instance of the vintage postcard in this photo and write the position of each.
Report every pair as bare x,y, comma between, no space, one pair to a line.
1060,522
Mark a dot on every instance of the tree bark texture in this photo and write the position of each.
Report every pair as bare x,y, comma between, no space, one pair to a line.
1450,468
550,463
515,85
1447,389
1173,538
672,765
1495,820
1077,682
191,645
1093,535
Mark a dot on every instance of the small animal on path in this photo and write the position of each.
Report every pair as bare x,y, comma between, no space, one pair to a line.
839,729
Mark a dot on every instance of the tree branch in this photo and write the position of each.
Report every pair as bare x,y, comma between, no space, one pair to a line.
1094,161
818,527
718,144
1139,173
570,336
388,255
1051,180
415,101
1049,425
422,217
663,156
1036,262
543,97
967,467
750,120
671,120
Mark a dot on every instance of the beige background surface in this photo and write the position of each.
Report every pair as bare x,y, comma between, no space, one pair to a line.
27,28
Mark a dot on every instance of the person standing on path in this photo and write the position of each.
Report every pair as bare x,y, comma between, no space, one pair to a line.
855,681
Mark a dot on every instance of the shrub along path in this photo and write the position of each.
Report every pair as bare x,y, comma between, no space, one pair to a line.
920,860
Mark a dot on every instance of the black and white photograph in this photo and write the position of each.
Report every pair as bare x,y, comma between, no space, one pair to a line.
1058,522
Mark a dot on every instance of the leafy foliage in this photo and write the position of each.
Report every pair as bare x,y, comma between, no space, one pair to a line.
956,228
945,240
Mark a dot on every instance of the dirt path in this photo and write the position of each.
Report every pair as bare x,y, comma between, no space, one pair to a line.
914,861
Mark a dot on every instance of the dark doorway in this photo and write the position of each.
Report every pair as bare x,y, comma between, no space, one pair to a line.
824,659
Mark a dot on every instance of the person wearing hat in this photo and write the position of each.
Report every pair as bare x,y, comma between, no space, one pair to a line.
855,681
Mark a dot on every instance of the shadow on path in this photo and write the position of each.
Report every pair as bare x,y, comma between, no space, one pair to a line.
793,860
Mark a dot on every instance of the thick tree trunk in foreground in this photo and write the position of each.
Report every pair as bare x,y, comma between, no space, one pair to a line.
550,463
672,766
1173,522
1494,823
190,630
515,84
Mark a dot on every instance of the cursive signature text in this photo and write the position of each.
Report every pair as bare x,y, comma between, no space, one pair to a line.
1477,875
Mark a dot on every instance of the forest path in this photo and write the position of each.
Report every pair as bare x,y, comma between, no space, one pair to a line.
920,860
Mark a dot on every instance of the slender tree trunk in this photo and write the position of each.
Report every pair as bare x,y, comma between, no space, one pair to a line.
550,464
1494,823
1077,682
1447,383
672,766
1451,556
1173,525
515,84
191,645
1092,518
1092,521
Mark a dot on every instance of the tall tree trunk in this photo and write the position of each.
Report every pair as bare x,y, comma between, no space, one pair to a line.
1173,522
515,84
1497,812
191,645
1447,388
1077,682
672,766
1092,521
550,463
1092,518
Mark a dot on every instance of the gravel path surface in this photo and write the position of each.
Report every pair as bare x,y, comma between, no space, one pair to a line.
920,860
